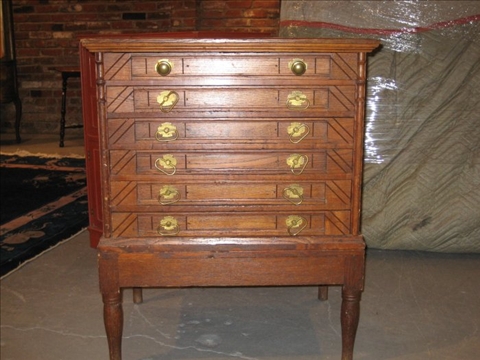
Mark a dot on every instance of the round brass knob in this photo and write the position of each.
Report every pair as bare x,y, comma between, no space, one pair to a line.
298,67
163,67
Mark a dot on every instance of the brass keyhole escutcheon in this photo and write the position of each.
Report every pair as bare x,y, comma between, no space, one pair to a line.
297,66
294,194
168,194
167,164
166,132
163,67
297,163
297,132
297,100
168,226
167,100
295,224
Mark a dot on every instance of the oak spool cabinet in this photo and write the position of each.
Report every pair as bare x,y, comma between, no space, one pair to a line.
225,162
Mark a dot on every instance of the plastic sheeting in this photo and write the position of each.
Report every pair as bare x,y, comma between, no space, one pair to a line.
422,144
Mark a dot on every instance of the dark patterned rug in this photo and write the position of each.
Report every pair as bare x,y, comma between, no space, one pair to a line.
43,201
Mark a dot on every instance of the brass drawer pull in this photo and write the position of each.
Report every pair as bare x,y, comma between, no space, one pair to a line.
297,100
163,67
297,132
297,163
295,224
294,194
167,100
166,132
168,226
166,164
168,194
297,66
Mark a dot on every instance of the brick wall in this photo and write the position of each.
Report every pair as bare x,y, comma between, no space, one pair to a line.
47,32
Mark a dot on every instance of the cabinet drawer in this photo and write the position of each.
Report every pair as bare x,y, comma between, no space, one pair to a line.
174,100
222,134
330,194
178,164
130,67
229,225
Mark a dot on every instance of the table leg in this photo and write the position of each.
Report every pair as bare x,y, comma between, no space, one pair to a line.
323,292
137,295
349,320
113,318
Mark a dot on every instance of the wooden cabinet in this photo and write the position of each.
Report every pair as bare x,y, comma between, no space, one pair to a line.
226,162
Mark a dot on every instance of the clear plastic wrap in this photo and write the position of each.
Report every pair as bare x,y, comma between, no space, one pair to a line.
422,141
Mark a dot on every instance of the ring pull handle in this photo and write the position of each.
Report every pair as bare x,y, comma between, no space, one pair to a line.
297,163
294,194
168,194
163,67
297,66
166,132
167,100
295,224
168,226
297,132
166,164
297,100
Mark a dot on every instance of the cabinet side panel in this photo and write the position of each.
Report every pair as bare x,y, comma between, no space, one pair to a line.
92,146
358,143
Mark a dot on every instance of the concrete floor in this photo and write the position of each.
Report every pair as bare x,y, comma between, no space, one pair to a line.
416,306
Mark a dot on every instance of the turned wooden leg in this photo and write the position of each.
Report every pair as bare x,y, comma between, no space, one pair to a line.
323,292
137,295
113,317
349,320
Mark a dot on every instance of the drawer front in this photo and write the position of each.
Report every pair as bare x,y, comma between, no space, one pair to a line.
180,164
222,134
174,101
229,225
149,196
229,145
127,67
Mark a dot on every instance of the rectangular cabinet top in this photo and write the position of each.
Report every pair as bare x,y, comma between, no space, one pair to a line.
164,43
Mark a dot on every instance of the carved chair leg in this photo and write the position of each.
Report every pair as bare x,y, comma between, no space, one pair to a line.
137,295
323,292
113,317
349,320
